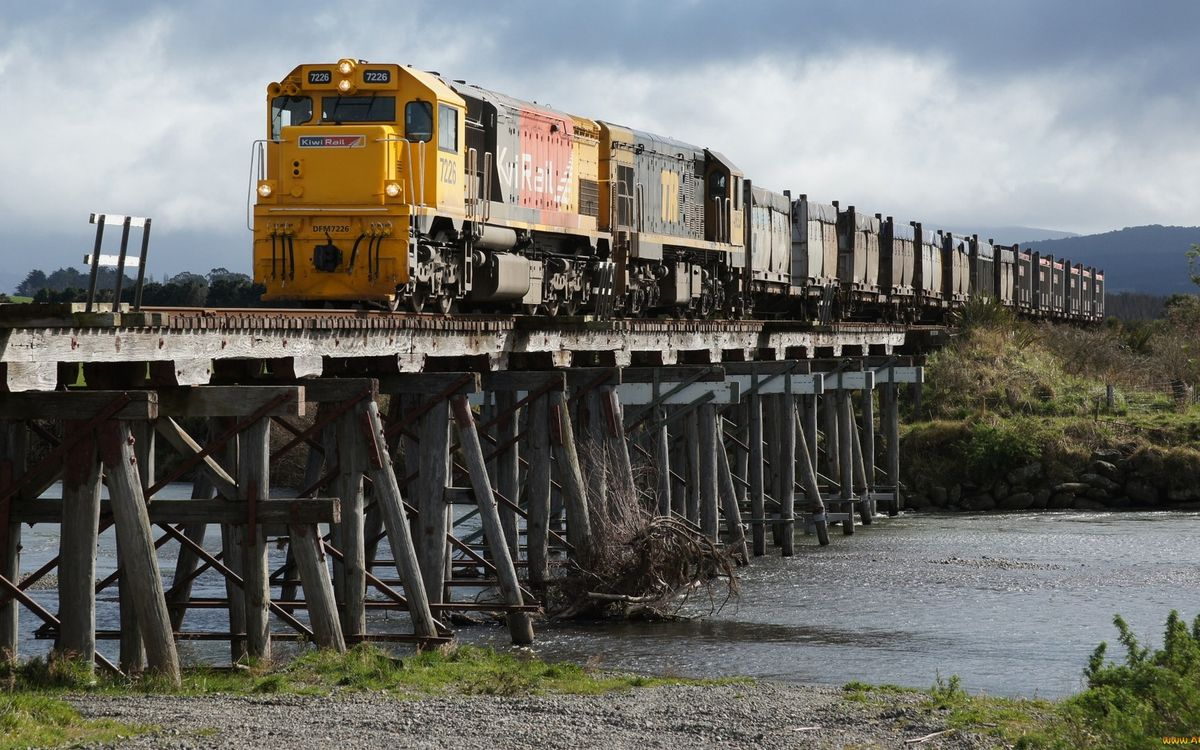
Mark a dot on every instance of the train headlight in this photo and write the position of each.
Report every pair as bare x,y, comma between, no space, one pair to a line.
346,67
265,190
346,86
392,189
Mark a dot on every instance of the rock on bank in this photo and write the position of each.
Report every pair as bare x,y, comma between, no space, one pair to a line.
760,715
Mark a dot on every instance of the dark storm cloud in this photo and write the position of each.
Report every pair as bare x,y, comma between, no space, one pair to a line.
985,38
1157,38
1072,115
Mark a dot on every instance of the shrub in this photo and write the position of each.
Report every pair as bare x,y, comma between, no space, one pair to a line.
995,449
1135,704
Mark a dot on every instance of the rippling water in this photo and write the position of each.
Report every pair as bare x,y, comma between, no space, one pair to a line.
1013,604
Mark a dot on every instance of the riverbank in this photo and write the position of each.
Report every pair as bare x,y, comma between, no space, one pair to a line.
468,697
761,715
1017,416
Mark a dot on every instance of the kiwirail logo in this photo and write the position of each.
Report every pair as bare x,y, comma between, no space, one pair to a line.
1193,740
333,141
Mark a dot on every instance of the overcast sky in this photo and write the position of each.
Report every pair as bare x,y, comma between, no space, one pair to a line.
1078,116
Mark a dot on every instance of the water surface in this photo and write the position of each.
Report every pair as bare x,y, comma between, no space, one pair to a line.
1013,604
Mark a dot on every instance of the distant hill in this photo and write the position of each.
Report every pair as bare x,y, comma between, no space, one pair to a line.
1011,235
1148,259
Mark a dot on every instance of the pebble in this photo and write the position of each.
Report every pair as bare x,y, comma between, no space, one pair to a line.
761,715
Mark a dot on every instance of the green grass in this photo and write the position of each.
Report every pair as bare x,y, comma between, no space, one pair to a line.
466,670
1007,720
983,449
32,720
463,669
33,712
1006,393
1128,705
863,692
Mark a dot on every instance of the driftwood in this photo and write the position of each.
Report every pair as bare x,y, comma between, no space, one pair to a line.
927,738
650,572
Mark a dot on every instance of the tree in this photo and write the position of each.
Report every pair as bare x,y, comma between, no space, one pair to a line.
34,281
224,273
1193,257
69,278
231,290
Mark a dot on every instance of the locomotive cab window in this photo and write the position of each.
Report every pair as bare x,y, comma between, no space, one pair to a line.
287,111
418,121
447,128
339,109
716,186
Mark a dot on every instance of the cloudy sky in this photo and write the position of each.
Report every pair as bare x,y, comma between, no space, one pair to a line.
1078,116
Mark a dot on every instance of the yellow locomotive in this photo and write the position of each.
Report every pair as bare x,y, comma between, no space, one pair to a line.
387,185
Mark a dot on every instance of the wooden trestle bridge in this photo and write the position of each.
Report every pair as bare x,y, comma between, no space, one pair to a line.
768,428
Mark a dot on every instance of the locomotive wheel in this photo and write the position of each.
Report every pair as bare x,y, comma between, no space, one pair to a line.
551,306
445,303
393,303
417,299
636,304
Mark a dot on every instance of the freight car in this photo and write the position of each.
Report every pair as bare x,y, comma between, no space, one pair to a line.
380,184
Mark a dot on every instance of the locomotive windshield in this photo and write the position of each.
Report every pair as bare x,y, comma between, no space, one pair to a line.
289,110
339,109
418,121
716,186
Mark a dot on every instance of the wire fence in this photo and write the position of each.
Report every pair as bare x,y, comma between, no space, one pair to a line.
1141,406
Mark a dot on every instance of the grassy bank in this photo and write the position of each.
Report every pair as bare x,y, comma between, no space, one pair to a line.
1131,704
1008,396
33,712
33,720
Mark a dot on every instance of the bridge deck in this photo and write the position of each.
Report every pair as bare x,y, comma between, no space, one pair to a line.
184,345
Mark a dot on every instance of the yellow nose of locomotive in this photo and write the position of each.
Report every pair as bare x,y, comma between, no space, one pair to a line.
354,158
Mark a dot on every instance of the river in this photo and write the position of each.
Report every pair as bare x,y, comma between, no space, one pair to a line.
1012,603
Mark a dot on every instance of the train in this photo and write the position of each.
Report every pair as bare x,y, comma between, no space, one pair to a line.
389,186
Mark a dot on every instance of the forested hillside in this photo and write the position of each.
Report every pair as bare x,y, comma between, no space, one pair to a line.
1150,259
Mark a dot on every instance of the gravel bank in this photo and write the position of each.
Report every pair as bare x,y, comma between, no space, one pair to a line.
761,715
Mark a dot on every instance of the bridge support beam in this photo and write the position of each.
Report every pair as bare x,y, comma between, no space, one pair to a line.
726,447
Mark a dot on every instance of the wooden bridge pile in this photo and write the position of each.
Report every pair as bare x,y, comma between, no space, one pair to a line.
760,446
450,466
